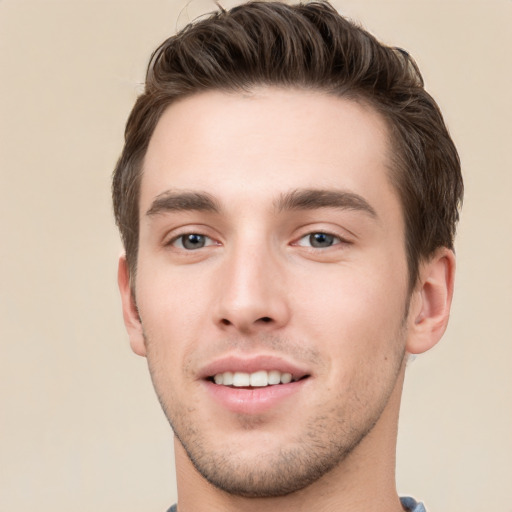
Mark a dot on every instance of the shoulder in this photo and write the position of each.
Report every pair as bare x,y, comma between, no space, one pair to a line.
409,504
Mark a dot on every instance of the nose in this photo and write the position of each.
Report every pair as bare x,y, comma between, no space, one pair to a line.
252,292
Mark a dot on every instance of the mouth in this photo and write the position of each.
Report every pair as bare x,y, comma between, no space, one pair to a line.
256,379
255,384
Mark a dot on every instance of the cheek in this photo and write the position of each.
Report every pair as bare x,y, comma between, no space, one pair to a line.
358,315
172,308
164,289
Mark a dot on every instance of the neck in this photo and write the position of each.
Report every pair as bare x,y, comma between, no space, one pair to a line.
364,480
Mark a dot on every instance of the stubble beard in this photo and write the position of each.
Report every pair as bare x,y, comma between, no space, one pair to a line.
326,440
274,474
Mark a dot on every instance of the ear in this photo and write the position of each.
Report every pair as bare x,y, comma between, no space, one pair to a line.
130,313
431,302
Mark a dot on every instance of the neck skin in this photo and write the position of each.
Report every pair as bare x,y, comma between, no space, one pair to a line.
364,481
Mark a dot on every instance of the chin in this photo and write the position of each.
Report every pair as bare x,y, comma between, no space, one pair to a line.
276,470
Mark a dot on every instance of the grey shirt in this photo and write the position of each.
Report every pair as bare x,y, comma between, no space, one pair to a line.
409,504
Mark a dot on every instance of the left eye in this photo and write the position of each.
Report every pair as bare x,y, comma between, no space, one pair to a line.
318,240
192,241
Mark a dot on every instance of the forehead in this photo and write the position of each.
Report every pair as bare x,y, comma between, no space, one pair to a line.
259,144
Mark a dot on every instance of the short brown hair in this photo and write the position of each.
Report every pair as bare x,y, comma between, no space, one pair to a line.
304,46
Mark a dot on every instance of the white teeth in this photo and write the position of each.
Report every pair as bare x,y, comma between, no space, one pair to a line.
286,378
257,379
241,379
274,377
227,378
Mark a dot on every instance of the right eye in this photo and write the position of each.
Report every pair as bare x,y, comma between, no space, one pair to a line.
191,241
319,240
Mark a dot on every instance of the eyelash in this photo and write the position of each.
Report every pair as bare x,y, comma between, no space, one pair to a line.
180,241
320,237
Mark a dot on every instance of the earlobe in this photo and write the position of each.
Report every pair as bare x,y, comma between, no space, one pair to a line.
131,316
431,302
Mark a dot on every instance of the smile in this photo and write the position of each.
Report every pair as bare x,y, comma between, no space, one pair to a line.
257,379
255,384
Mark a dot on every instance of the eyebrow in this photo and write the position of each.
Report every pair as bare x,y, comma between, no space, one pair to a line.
183,201
298,199
312,199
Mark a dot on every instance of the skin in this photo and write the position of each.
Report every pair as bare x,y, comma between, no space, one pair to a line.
340,311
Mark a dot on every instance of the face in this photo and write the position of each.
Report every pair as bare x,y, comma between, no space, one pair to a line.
271,283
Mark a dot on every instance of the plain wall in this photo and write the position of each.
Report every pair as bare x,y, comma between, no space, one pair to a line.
80,427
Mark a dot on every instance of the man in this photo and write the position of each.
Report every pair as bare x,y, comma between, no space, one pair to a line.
287,198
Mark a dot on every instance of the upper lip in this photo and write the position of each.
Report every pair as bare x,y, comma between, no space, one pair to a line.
251,364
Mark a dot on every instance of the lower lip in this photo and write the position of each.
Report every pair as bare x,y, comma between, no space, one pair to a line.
253,400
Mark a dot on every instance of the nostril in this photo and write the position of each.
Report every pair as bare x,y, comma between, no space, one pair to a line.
241,325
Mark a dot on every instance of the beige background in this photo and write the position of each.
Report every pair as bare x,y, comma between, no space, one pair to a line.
80,428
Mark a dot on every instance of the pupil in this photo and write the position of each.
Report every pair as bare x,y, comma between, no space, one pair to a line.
193,241
321,240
